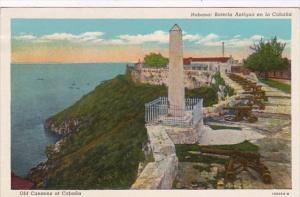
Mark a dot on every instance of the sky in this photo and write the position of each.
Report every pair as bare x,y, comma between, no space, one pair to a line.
128,40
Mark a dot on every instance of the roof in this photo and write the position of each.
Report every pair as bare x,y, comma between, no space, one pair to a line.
187,61
20,183
175,28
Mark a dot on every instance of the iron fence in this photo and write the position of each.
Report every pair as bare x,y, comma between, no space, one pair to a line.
159,111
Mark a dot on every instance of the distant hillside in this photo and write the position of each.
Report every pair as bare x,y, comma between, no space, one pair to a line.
104,149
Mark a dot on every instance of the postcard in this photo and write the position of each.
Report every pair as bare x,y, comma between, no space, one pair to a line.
150,101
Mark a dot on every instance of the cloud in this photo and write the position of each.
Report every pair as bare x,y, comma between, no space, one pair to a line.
25,37
84,37
209,38
90,36
200,39
114,42
157,36
235,41
163,38
97,38
58,36
256,37
192,37
288,42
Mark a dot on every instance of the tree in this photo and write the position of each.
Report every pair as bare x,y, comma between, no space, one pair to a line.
156,60
267,56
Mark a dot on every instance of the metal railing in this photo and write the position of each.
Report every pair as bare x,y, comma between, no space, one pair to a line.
159,111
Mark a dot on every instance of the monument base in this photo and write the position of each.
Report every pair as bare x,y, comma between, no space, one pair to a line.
185,135
184,120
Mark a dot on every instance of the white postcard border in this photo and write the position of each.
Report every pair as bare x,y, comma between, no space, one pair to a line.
5,125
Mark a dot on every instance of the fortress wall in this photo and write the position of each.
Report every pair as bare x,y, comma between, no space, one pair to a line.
161,173
185,135
159,76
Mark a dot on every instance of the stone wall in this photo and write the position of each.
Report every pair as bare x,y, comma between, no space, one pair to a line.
161,173
159,76
185,135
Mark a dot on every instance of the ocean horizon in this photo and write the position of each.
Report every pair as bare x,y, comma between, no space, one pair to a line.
59,63
39,91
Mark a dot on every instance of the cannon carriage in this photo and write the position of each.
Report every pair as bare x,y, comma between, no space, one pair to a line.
239,113
251,100
239,161
253,97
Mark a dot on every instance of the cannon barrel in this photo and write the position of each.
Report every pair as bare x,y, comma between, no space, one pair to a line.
217,151
232,153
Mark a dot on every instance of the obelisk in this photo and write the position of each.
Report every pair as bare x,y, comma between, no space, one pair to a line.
176,75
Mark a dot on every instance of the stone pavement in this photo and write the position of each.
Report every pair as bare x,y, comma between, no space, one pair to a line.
228,136
272,133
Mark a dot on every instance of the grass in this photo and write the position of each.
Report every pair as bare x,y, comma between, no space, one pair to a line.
277,84
218,127
104,153
208,94
184,155
228,91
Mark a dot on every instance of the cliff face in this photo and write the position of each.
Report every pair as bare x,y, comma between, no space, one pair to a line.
102,137
61,128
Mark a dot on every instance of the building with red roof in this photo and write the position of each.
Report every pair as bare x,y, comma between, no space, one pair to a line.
222,64
189,60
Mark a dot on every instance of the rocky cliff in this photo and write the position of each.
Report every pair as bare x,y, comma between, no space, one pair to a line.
61,128
102,137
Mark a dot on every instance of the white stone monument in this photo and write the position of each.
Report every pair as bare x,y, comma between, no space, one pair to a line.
181,117
176,95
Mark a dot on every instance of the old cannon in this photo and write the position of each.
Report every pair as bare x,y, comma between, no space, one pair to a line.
252,101
251,87
240,113
248,86
241,161
258,94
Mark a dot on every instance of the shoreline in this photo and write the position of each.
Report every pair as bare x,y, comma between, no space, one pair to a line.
22,165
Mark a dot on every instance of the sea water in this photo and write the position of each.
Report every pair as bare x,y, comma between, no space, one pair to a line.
41,90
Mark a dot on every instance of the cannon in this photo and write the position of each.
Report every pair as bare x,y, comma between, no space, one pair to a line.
253,101
248,86
241,161
261,94
252,87
241,113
